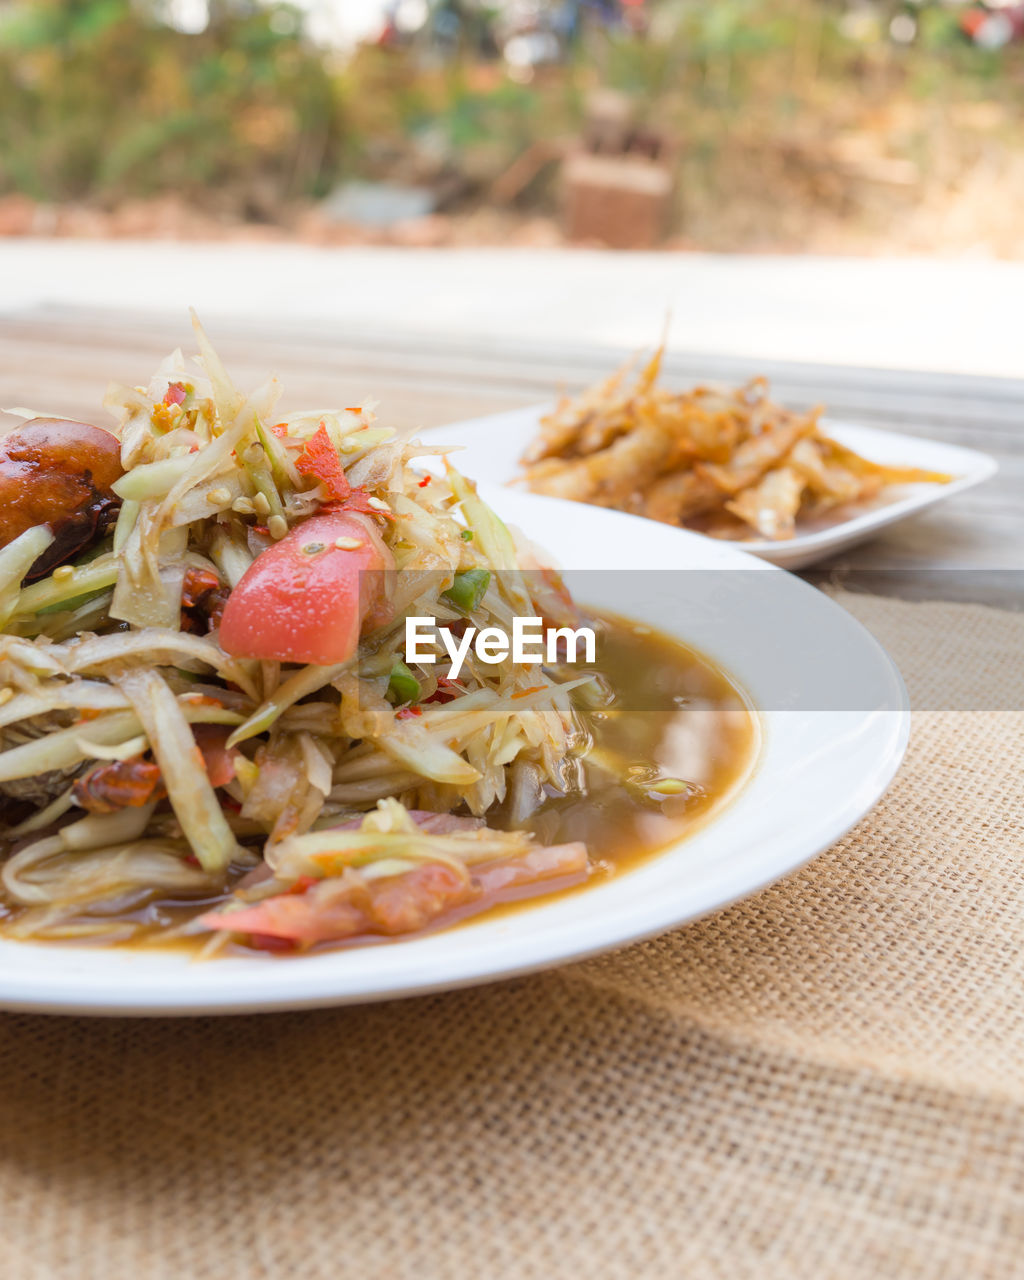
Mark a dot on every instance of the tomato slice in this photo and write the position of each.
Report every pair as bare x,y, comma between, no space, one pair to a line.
308,598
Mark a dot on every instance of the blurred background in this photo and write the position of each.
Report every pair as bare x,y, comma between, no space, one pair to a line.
867,127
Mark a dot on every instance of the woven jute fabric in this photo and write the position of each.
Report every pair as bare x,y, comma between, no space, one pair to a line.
824,1081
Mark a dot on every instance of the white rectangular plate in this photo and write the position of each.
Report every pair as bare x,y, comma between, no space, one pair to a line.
492,447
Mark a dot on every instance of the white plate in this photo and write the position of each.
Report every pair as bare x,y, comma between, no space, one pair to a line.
493,446
821,767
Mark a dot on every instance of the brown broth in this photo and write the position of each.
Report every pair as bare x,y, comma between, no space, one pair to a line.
673,714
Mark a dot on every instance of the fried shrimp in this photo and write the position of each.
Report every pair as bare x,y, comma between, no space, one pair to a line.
731,464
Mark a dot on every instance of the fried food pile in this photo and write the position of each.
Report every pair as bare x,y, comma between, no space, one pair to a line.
731,464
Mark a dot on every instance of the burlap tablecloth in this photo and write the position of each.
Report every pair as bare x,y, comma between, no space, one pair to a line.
824,1081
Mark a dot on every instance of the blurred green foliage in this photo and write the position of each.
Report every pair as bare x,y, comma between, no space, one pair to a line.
99,100
770,107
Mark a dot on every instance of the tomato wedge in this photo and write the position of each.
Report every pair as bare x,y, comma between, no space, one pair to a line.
308,598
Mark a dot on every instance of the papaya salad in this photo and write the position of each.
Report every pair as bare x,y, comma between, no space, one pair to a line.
209,728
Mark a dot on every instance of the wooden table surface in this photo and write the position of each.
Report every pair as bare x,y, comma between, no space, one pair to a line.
60,360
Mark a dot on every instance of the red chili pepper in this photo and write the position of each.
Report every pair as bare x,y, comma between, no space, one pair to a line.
303,884
320,459
175,393
358,500
202,600
198,582
441,693
280,429
407,713
218,758
424,482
